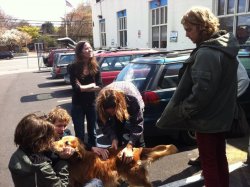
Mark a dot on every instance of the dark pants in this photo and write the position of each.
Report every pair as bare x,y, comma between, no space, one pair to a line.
78,114
212,150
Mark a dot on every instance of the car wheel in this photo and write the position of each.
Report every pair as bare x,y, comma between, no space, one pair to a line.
188,137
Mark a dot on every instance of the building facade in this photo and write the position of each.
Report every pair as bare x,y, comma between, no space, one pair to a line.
156,23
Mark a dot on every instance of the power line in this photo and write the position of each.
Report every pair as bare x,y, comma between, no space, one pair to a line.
39,21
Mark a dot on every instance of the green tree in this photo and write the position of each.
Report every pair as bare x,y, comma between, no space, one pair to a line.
47,41
47,28
31,30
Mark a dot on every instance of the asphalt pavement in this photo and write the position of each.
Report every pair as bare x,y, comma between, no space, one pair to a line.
190,176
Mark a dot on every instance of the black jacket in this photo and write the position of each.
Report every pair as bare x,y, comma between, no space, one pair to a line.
82,98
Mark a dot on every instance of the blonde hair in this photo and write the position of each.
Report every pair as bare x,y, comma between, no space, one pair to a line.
59,114
202,17
108,98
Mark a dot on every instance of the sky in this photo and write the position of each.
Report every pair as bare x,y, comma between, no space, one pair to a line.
41,10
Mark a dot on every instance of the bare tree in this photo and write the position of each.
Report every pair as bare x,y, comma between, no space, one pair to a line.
79,23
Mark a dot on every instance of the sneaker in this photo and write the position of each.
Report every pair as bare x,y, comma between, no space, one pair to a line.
194,162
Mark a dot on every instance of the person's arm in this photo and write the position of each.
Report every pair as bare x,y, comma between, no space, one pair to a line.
46,174
73,79
135,122
243,79
206,74
98,82
98,79
107,129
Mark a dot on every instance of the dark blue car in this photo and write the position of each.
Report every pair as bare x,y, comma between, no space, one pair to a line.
156,77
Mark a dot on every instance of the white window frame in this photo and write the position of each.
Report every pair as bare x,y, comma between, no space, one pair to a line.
159,20
122,31
103,40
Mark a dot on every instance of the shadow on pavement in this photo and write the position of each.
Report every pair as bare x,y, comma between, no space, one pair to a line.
46,96
187,172
52,84
66,106
240,177
239,143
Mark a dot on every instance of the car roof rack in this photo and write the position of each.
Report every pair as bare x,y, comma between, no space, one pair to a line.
172,53
118,49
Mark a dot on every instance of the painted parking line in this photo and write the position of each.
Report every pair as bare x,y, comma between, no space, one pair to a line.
64,100
60,87
53,80
197,178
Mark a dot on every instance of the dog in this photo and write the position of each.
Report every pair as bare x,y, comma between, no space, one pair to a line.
85,165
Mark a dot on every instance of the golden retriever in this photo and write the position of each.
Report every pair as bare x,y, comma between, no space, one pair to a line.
85,165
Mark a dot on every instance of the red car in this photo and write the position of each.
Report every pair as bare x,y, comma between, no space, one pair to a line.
112,62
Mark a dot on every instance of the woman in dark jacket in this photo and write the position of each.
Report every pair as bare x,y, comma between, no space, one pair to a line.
205,98
85,80
120,112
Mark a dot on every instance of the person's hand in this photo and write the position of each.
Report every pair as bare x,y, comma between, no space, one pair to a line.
114,144
78,83
67,152
104,153
127,154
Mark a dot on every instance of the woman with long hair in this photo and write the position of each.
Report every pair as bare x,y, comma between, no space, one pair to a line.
120,111
85,80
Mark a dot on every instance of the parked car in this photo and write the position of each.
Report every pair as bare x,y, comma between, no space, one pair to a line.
62,60
49,60
156,77
6,55
112,62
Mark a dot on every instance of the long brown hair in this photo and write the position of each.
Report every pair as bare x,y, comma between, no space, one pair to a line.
34,134
202,17
92,65
108,98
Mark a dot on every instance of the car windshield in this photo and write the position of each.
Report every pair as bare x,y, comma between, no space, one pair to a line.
66,59
115,63
136,73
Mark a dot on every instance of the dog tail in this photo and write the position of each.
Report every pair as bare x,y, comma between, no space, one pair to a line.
157,152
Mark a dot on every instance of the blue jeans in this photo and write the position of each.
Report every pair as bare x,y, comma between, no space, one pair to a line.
94,183
78,114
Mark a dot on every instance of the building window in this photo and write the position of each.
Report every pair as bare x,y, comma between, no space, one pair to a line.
122,28
103,33
159,23
236,18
